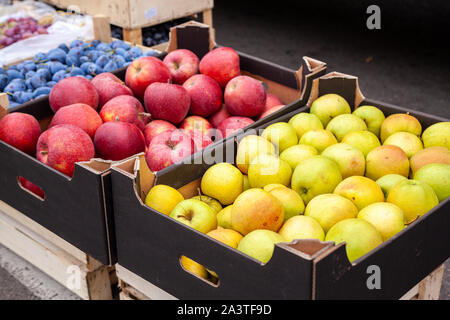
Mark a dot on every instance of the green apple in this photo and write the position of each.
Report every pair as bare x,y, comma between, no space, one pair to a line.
415,198
213,203
223,182
328,209
224,217
429,155
400,122
292,202
329,106
372,116
408,142
344,124
351,160
266,169
260,244
365,141
163,198
314,176
437,135
303,122
296,154
249,147
280,134
437,176
386,217
319,139
359,235
301,227
196,214
388,181
361,191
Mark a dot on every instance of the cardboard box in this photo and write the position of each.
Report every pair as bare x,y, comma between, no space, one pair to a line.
150,244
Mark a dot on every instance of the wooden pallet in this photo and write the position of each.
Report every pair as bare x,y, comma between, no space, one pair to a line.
134,287
133,15
68,265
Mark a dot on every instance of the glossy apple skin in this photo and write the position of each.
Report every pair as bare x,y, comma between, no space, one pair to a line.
26,184
245,97
272,101
219,116
165,101
21,131
221,64
79,115
182,64
199,129
156,127
126,109
62,146
73,90
233,124
144,71
206,95
167,148
118,140
109,86
270,111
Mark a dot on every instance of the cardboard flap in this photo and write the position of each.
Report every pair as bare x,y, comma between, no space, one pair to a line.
342,84
4,104
192,35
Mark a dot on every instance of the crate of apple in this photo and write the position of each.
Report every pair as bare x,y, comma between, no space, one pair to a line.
13,30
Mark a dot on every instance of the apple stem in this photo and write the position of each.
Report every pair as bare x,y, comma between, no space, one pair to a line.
145,114
199,193
44,152
407,224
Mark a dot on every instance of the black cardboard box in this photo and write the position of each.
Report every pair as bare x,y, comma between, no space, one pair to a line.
150,244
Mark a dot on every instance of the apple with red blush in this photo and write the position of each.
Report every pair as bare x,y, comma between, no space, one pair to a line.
221,64
182,64
73,90
109,86
127,109
219,116
206,95
245,96
20,130
233,124
156,127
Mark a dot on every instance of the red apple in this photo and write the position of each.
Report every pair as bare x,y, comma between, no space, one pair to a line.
182,64
167,148
271,101
219,116
221,64
79,115
201,141
144,71
156,127
199,129
62,146
21,131
271,110
109,86
126,109
118,140
167,101
73,90
233,124
26,184
206,95
245,96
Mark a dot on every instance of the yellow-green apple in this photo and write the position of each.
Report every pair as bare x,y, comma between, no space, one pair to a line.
219,116
344,124
256,209
314,176
196,214
386,217
400,122
166,101
199,129
385,160
221,64
268,168
270,111
280,134
437,176
415,198
61,146
360,190
359,235
365,141
372,116
223,182
292,202
73,90
144,71
20,130
329,106
429,155
408,142
249,147
388,181
233,124
303,122
109,86
351,160
260,244
213,203
319,139
245,183
224,217
182,64
125,108
167,148
328,209
245,97
301,227
156,127
194,267
437,135
163,198
296,154
202,104
270,187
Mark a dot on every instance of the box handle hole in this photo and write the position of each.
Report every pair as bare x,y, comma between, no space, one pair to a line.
199,271
31,188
